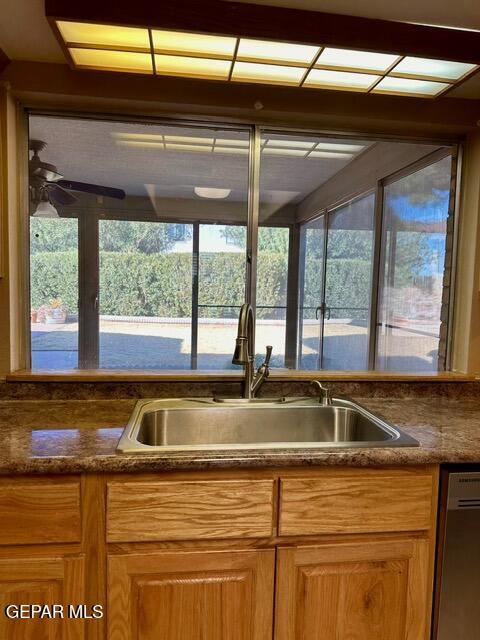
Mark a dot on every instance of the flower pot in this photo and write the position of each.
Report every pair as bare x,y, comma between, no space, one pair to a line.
56,316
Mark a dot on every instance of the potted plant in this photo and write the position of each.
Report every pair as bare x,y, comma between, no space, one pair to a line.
55,312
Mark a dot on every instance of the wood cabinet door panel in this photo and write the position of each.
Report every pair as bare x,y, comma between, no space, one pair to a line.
191,596
356,501
355,591
41,581
36,511
182,510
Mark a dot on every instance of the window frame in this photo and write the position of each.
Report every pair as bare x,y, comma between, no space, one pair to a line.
452,147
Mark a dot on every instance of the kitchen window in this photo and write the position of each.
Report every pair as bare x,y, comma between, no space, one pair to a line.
147,237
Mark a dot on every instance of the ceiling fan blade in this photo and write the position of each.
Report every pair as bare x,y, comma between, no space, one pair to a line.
111,192
60,195
45,173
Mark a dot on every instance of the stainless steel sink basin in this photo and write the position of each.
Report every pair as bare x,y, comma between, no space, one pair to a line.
204,424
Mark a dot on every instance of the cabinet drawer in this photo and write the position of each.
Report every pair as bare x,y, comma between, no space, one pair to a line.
40,511
356,502
177,510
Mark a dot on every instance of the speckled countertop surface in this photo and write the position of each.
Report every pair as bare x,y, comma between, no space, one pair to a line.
70,436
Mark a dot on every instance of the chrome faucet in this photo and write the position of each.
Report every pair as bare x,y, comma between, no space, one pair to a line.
325,396
245,351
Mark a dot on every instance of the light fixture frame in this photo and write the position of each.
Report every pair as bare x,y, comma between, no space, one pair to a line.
277,24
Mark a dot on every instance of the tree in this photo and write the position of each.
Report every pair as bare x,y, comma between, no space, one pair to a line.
271,239
52,234
131,236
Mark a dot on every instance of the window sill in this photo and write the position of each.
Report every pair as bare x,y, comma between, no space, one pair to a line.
285,375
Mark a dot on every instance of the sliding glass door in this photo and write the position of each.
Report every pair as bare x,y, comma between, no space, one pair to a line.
349,259
312,288
336,256
413,288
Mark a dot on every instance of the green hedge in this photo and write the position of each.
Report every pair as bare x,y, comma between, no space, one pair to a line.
136,284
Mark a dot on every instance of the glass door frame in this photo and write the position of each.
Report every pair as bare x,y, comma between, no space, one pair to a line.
322,307
454,151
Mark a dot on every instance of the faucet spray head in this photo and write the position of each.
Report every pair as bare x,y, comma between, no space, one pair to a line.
241,355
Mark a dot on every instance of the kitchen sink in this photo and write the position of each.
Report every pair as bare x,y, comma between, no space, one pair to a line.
199,424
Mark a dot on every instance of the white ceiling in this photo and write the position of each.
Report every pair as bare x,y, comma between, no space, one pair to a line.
26,35
88,151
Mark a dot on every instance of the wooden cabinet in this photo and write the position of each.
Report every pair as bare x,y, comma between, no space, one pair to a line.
39,510
356,501
41,581
188,595
346,553
173,510
362,590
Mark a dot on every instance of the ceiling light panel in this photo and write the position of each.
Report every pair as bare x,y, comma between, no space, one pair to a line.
112,60
193,44
205,68
189,140
229,150
273,151
232,142
144,144
325,79
356,60
175,146
330,154
237,59
409,87
267,73
333,146
434,69
104,36
276,52
290,144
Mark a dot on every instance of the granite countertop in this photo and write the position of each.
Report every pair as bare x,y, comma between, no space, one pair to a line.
72,436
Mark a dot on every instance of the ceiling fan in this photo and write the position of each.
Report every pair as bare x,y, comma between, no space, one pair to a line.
47,185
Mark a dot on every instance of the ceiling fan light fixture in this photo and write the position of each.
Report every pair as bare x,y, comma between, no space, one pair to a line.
45,209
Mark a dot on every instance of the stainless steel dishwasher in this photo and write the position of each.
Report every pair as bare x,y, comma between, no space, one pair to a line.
457,612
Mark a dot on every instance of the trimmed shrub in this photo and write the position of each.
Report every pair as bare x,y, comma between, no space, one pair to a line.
137,284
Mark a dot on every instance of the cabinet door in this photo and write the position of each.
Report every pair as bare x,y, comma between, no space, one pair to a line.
363,590
41,581
191,595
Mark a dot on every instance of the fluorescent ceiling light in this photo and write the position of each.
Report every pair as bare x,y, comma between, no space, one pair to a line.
231,58
277,52
205,68
193,44
112,60
330,154
234,150
212,193
326,79
272,151
188,139
358,60
409,87
333,146
232,142
435,69
290,144
144,144
104,35
187,147
267,73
